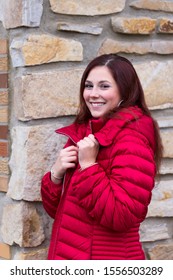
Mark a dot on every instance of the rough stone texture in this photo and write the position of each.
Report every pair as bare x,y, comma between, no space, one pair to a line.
155,46
21,13
142,25
57,94
156,5
40,49
153,230
167,138
166,167
87,7
162,200
162,208
39,146
165,25
161,252
90,28
22,225
39,254
157,82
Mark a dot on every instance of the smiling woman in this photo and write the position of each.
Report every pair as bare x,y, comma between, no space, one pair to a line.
101,96
99,188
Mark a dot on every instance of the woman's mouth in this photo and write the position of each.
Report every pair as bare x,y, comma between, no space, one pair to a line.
97,104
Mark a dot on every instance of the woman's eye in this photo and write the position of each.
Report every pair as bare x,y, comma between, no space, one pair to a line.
88,86
104,86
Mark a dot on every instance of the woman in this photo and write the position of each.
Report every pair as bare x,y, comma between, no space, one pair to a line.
99,188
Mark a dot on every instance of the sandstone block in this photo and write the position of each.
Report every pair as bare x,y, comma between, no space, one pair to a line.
40,49
153,46
166,167
39,254
161,208
161,252
21,224
157,82
39,146
57,94
167,138
165,25
91,28
127,25
155,5
87,7
151,231
18,13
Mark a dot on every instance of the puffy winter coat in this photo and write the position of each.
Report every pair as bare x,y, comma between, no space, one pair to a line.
97,211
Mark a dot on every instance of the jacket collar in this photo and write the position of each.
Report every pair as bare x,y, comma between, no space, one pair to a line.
104,131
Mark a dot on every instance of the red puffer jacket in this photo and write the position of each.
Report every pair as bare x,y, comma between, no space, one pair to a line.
98,210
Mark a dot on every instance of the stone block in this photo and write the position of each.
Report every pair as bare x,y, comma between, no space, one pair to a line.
161,251
22,225
165,25
141,25
90,28
153,46
39,146
167,138
153,230
57,94
40,49
18,13
154,5
87,7
39,254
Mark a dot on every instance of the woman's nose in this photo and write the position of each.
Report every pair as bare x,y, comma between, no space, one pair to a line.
94,92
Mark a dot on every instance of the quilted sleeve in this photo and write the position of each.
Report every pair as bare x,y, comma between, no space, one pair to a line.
51,194
118,199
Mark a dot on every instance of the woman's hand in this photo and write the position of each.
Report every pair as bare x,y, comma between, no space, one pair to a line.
88,149
67,158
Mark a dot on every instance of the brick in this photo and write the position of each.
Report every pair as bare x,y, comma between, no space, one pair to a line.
3,80
165,26
3,149
3,46
4,183
3,97
4,166
5,251
3,64
3,132
4,114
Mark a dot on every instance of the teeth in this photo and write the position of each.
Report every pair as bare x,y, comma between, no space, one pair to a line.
97,104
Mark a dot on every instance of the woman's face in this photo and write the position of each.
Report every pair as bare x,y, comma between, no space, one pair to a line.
101,93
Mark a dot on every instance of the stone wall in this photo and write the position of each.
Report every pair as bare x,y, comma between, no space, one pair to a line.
50,43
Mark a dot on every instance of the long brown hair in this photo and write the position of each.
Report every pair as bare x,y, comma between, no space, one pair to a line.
130,89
